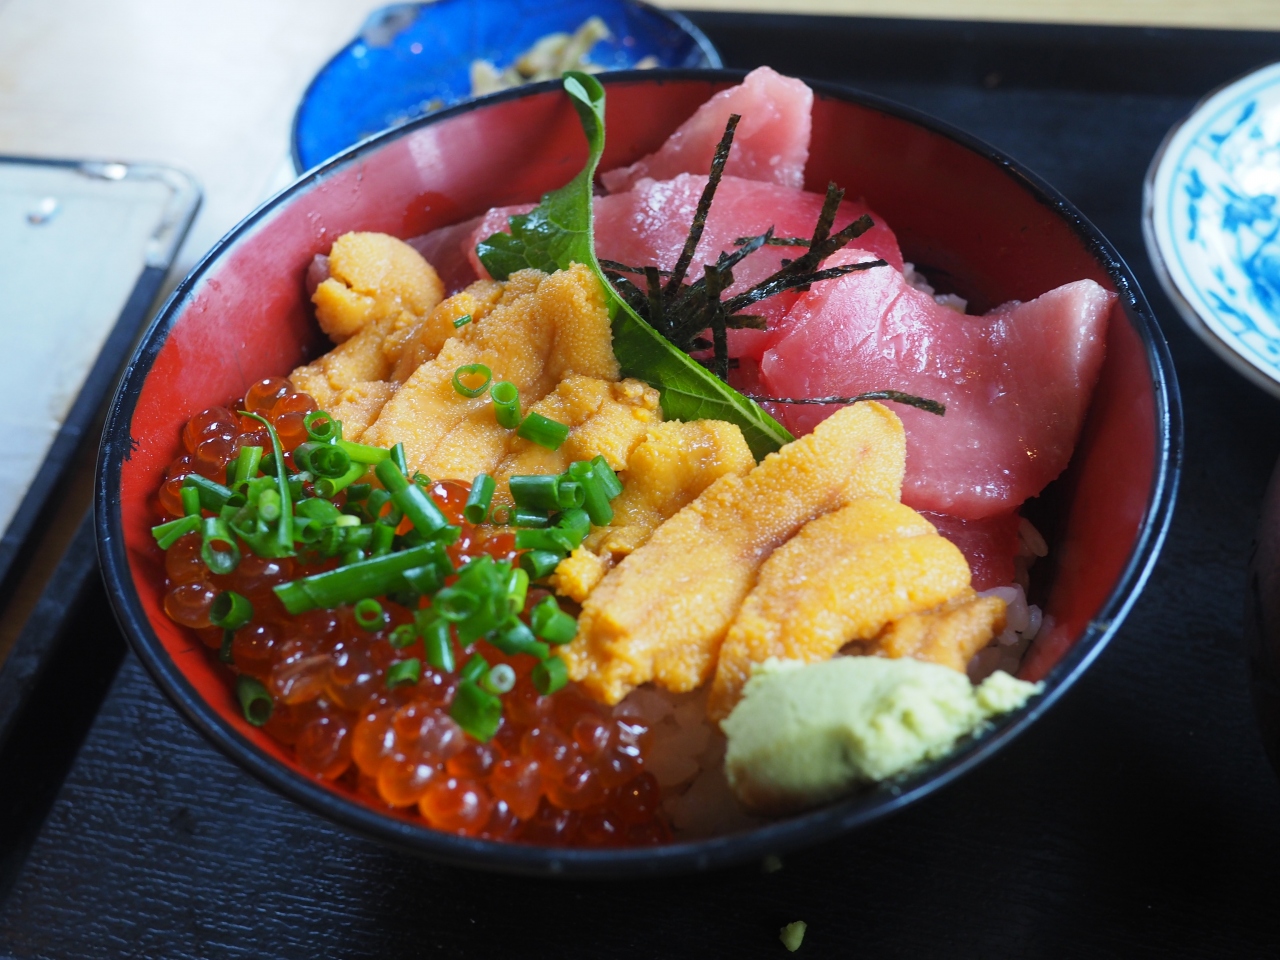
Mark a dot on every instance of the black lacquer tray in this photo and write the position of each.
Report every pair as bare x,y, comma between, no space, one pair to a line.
1139,818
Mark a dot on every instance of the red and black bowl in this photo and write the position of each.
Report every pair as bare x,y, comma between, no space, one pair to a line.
959,207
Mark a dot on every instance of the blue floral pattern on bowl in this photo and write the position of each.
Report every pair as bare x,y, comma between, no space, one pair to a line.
1212,222
412,58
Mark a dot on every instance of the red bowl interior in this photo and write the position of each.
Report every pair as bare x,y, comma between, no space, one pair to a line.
246,314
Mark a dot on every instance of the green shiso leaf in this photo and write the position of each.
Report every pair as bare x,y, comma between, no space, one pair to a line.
559,231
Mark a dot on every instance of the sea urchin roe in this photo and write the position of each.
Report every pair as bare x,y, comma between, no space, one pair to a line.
557,769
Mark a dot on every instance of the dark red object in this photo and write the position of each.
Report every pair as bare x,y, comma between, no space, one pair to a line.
957,205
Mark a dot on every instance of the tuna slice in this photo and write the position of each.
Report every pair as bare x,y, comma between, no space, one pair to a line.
771,143
989,545
1016,382
648,225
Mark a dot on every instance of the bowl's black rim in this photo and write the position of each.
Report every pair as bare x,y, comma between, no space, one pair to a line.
675,17
773,838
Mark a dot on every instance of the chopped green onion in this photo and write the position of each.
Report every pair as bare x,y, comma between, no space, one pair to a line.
213,496
570,494
479,499
595,492
255,701
358,491
423,580
330,463
354,556
317,509
472,370
368,613
269,505
549,675
475,668
416,503
612,485
536,492
543,431
455,604
167,534
462,321
404,672
477,712
284,526
506,404
190,501
354,582
247,465
574,525
328,487
230,610
520,517
517,589
500,679
216,531
551,540
540,564
397,457
403,635
321,427
551,623
362,452
383,537
436,642
516,637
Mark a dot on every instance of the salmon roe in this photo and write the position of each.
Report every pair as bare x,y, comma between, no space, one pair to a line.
560,770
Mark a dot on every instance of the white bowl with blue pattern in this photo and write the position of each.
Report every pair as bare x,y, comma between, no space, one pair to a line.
1211,218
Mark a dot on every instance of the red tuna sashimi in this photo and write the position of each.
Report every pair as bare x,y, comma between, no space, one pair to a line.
770,144
1016,382
989,545
647,226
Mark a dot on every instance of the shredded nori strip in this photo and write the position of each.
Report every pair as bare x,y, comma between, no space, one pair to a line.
683,313
897,396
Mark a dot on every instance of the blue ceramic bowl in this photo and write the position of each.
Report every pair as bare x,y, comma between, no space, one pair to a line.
413,58
1211,217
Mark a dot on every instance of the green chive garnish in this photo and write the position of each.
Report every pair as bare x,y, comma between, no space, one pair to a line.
595,490
354,582
479,499
574,525
517,589
369,615
167,534
549,675
609,479
284,526
516,637
438,646
570,494
543,431
551,540
415,502
269,505
213,496
230,610
255,701
520,517
220,561
321,427
358,491
404,672
362,452
500,679
190,502
540,564
475,668
506,404
397,457
403,635
551,623
477,712
471,370
247,465
329,486
384,536
536,492
329,462
455,604
462,321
